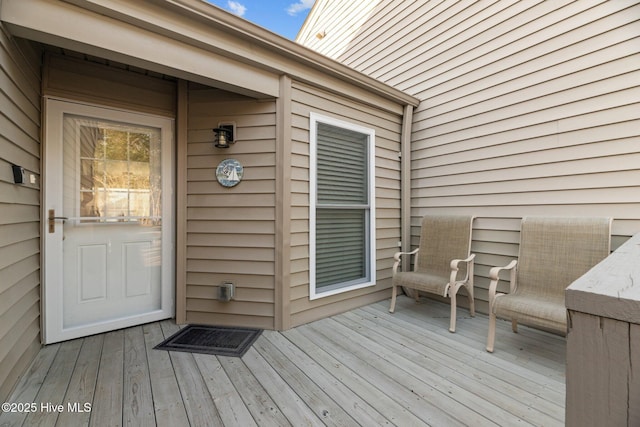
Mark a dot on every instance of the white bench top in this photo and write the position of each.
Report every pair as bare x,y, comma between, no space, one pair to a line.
612,288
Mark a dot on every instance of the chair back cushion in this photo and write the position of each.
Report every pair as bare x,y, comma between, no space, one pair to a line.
556,251
443,238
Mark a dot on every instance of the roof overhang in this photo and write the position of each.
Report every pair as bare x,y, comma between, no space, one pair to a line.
71,27
189,39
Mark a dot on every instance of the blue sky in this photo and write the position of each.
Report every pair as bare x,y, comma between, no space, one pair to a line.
284,17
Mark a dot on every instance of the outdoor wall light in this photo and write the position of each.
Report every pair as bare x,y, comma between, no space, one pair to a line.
223,135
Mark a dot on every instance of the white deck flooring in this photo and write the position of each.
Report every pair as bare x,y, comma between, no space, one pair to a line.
364,367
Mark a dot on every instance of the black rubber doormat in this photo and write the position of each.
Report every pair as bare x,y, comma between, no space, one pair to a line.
218,340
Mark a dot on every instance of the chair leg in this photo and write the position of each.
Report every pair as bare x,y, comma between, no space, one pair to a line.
454,306
514,325
394,294
472,301
491,337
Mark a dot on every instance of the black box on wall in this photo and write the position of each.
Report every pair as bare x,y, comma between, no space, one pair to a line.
18,174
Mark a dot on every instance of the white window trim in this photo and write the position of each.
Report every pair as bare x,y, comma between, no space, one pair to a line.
314,118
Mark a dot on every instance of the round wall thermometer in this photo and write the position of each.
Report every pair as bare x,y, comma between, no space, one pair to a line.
229,172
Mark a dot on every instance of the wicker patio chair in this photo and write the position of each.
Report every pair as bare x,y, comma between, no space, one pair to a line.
442,263
553,253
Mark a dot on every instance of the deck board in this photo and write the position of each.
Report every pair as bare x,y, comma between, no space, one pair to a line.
108,398
364,367
55,385
352,380
197,400
285,391
359,409
28,388
471,385
454,379
231,407
259,402
83,382
424,400
137,400
167,400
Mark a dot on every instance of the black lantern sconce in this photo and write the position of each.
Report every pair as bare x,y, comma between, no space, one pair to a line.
223,135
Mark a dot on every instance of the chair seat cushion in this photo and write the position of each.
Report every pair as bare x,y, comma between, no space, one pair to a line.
432,283
533,310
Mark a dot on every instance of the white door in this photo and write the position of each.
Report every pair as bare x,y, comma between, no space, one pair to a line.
108,220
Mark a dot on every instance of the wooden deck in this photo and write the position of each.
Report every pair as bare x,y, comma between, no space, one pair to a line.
365,367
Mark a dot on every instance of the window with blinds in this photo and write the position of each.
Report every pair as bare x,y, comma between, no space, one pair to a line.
342,211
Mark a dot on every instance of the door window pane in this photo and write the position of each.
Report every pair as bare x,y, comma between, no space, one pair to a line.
119,171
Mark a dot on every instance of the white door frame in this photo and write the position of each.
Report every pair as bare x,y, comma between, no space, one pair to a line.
52,257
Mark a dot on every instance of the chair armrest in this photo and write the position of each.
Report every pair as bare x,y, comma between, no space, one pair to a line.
494,276
397,256
454,268
493,273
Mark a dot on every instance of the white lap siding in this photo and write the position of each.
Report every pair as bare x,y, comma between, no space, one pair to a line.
19,209
527,108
